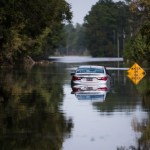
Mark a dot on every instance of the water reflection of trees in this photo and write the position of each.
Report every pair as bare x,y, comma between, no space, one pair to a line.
121,98
30,114
125,99
144,125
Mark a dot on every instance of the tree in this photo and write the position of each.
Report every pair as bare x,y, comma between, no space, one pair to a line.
28,26
140,8
136,48
104,25
73,42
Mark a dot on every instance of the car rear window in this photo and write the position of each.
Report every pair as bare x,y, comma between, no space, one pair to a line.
90,70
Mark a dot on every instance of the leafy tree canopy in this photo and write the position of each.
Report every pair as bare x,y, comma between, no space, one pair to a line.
138,48
105,23
26,27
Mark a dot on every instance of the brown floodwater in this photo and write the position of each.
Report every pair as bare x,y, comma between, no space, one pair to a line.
38,109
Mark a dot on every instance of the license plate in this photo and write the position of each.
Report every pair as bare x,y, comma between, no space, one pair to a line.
89,79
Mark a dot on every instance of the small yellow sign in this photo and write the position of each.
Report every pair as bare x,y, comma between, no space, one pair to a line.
136,73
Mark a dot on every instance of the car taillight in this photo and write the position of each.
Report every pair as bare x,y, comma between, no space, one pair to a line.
102,78
103,89
76,78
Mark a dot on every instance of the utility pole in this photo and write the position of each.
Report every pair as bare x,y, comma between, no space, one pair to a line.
118,47
118,52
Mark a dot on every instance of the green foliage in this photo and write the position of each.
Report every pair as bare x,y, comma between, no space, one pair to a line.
25,26
108,23
138,48
73,41
105,23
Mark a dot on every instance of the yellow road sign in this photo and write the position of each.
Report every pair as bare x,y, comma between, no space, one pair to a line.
136,73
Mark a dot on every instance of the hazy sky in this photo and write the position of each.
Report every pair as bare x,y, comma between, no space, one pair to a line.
80,8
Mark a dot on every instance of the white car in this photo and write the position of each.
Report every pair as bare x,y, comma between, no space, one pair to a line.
91,75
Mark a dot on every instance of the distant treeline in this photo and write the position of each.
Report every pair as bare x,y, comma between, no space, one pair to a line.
42,28
112,29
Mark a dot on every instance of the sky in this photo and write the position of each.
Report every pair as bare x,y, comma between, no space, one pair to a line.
80,9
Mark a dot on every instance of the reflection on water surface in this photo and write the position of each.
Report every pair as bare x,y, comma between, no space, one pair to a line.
30,115
38,111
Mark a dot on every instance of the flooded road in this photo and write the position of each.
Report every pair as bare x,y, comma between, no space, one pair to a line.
39,111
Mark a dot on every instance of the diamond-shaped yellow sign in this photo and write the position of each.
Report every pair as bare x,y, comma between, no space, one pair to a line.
136,73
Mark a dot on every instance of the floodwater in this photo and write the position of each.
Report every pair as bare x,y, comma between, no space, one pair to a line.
38,109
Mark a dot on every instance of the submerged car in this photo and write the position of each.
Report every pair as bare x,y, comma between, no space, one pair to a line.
90,74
